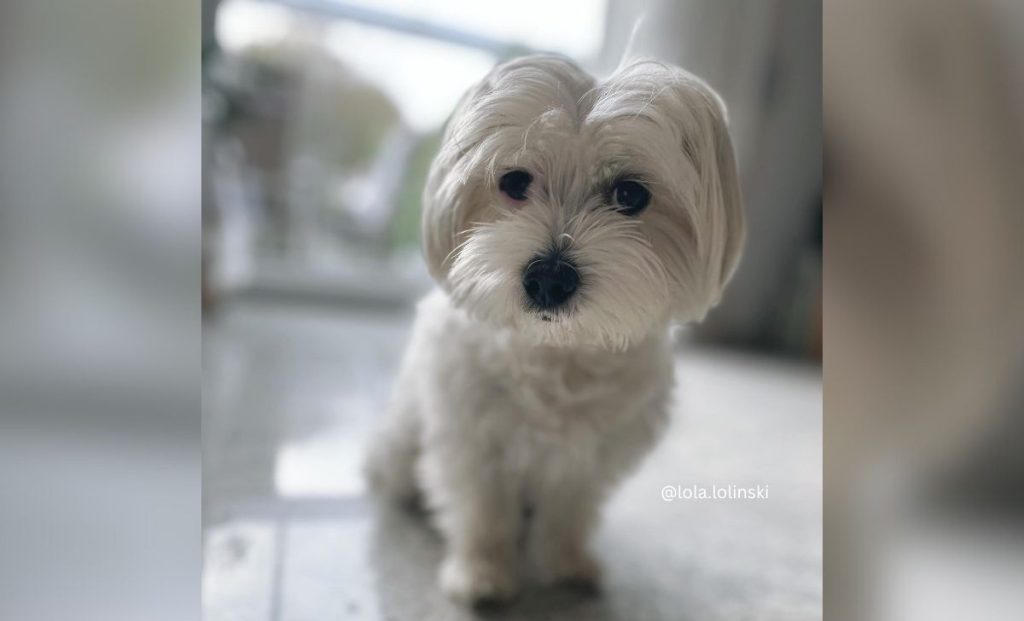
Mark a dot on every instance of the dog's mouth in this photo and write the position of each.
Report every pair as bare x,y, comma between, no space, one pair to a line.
550,315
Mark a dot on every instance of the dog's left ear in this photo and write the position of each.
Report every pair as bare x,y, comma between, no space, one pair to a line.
720,188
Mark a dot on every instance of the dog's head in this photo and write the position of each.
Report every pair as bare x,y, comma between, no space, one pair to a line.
584,212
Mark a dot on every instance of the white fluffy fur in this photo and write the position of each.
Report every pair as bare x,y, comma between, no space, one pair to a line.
512,428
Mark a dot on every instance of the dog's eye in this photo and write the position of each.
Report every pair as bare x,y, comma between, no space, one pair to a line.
515,183
631,197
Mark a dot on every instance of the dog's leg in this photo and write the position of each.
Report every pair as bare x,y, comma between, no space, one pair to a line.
480,518
564,517
567,505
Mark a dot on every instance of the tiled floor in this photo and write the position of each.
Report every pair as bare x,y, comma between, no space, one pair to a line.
289,534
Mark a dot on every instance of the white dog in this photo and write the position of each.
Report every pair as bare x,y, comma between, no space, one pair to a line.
567,222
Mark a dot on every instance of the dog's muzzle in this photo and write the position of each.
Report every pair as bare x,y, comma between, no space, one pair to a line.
550,280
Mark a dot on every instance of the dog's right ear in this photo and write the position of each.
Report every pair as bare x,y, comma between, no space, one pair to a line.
448,201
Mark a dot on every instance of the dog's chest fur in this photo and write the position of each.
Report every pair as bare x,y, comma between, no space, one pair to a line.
540,402
564,392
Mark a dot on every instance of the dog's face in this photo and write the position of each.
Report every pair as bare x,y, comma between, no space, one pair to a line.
584,213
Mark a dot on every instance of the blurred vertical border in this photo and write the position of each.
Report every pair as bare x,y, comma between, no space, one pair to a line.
99,310
924,306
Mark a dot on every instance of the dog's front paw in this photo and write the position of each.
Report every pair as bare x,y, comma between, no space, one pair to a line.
577,570
478,581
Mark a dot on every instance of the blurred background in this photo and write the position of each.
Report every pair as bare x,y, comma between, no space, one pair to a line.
320,120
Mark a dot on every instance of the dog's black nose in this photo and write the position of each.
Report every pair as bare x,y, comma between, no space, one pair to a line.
550,281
